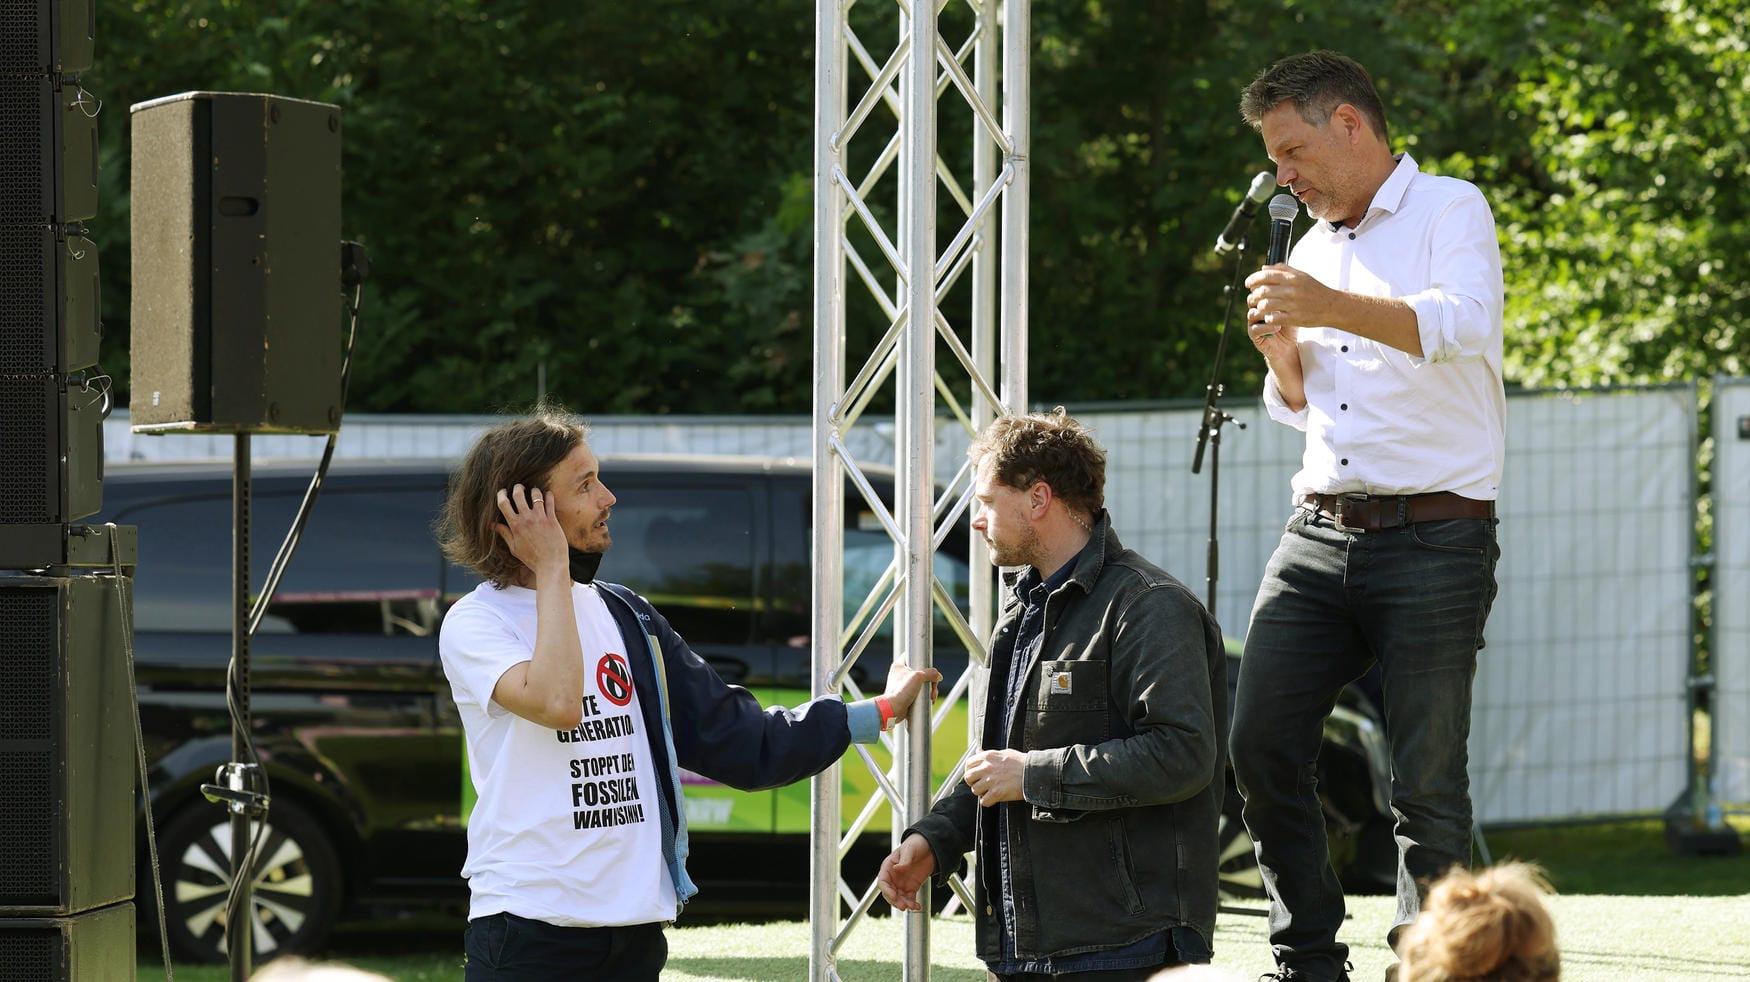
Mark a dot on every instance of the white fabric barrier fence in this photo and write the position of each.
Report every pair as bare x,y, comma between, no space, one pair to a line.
1731,590
1580,699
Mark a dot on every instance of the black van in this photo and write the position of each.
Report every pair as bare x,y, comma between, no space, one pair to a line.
352,714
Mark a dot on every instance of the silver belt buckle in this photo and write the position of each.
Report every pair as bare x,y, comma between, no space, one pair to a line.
1337,514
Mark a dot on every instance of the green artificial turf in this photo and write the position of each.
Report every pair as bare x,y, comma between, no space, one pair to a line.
1623,858
1603,939
1628,910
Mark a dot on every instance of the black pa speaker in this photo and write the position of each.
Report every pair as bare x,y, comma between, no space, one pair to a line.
48,37
48,301
236,264
93,947
48,151
66,747
51,437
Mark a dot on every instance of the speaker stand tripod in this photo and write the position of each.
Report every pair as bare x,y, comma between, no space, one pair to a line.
237,784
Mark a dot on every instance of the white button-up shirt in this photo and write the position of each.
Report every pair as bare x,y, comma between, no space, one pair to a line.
1382,421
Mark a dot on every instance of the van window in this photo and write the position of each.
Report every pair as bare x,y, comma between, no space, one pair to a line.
688,550
867,551
366,565
867,555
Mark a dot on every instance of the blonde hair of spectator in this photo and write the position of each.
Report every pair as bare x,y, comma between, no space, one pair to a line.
1490,924
294,969
1195,973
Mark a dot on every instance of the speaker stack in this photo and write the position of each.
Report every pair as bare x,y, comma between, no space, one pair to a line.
51,409
66,780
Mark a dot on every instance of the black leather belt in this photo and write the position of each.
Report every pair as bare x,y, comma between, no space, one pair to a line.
1374,513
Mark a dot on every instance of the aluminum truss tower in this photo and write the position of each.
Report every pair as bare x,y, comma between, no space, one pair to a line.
908,99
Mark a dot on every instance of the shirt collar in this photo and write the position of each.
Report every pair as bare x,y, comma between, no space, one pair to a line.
1390,196
1029,580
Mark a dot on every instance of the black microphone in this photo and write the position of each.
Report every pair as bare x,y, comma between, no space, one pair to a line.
1230,237
1283,209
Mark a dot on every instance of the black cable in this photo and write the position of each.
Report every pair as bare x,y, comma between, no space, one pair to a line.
124,603
283,558
246,864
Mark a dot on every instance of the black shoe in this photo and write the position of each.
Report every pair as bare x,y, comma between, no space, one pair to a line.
1288,973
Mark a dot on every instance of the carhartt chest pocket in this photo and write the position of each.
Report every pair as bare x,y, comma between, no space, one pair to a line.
1071,686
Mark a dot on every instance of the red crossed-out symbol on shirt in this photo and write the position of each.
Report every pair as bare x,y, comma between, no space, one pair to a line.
613,678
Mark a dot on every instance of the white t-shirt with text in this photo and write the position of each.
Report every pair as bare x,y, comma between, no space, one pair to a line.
567,829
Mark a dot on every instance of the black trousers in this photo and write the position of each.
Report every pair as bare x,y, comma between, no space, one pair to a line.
508,948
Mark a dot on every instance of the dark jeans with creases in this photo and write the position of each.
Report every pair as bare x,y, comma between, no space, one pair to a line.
1414,599
508,948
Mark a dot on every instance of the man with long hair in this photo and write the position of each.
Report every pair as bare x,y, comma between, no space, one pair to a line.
579,706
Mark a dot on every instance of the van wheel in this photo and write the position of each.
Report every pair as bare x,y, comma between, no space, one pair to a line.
295,890
1237,867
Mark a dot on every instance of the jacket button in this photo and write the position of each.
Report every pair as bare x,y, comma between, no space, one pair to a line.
987,910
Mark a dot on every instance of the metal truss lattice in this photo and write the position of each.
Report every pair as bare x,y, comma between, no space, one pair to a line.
921,179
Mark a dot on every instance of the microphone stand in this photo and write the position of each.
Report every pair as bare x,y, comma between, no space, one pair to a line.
1210,432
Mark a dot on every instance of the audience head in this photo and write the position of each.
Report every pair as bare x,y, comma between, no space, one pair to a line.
294,969
1194,973
1486,925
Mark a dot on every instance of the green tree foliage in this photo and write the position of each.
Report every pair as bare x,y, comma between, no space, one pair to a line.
617,197
1139,157
584,188
1620,187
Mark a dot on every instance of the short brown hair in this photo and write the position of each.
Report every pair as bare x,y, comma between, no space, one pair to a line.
1051,447
1486,925
523,451
1317,83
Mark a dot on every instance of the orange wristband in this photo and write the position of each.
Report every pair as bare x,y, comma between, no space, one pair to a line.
886,707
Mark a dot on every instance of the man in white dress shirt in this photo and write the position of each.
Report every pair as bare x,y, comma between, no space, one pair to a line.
1382,336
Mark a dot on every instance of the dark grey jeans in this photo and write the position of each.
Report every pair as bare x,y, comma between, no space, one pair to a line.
1332,603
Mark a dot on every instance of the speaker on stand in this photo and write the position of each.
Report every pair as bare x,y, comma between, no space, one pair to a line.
236,239
236,255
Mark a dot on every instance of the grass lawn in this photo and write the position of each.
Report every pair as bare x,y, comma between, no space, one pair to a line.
1628,911
1625,857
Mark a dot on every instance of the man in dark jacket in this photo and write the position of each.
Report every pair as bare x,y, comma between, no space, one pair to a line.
579,704
1093,799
